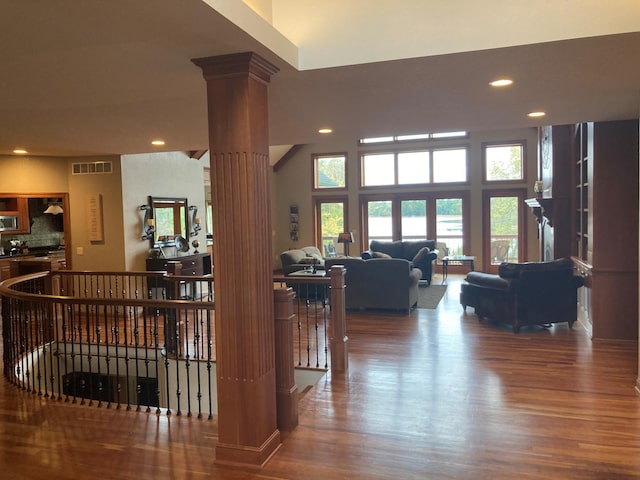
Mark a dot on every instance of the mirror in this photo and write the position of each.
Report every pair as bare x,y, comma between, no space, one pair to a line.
170,219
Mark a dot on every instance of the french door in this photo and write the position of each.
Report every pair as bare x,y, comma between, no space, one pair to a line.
439,216
504,227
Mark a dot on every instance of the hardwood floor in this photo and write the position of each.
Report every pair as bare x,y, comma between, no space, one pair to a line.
434,394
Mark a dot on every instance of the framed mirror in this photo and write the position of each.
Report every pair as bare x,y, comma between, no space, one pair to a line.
170,218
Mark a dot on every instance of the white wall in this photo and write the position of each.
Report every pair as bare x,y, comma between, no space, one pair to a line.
171,174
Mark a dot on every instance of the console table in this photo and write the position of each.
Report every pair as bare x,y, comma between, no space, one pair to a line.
195,264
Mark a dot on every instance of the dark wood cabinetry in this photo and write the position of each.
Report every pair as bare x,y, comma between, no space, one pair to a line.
590,173
195,264
14,215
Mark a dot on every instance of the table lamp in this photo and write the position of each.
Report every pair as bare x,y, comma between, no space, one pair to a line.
346,238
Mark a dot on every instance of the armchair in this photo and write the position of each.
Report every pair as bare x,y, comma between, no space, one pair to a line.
533,293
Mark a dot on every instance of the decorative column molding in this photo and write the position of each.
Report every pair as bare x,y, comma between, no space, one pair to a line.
239,151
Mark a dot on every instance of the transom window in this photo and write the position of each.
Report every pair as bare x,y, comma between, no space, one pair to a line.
414,167
329,171
504,162
412,137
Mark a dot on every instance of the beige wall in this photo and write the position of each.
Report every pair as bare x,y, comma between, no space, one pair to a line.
292,184
42,175
105,254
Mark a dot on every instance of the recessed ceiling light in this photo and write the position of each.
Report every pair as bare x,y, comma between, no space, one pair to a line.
536,114
158,143
501,82
325,130
20,151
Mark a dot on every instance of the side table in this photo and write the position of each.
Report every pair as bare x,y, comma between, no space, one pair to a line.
470,259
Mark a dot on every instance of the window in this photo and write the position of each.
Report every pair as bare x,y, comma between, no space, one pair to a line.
378,169
329,171
449,223
379,220
504,162
411,217
414,167
504,222
450,165
411,137
330,217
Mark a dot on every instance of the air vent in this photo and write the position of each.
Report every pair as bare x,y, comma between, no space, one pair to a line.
88,168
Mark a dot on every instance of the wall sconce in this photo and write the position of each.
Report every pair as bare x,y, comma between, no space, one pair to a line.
195,221
346,238
148,228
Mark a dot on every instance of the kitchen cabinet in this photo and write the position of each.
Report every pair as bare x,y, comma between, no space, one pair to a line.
14,215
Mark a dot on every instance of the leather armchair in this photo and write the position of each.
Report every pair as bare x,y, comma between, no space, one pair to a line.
533,293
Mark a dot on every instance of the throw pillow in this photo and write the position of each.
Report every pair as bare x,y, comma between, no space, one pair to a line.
380,255
421,255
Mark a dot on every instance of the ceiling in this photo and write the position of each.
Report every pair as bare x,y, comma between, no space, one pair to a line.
100,77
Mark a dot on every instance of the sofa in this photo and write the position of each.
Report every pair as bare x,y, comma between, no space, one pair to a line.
301,258
521,294
379,283
421,253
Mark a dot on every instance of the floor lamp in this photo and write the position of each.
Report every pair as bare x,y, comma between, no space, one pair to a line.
346,238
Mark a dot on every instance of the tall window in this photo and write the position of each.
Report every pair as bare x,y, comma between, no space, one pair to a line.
379,220
446,165
449,223
329,171
504,162
330,221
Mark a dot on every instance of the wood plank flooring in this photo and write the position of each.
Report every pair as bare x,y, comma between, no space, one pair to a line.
433,394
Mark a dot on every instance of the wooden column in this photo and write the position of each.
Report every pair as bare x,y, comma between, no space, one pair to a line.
239,150
338,341
286,388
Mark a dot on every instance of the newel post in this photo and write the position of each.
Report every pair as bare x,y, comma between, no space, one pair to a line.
286,388
338,340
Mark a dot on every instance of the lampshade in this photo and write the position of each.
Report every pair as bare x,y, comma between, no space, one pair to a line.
54,209
346,237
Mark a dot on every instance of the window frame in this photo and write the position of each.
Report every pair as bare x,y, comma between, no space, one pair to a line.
412,186
523,167
430,197
317,217
314,172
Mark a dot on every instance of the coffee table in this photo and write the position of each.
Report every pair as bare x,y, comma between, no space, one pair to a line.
470,259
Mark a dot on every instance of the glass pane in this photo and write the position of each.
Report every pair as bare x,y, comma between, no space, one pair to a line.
450,165
378,169
413,167
330,172
331,224
504,229
379,222
414,219
503,162
449,225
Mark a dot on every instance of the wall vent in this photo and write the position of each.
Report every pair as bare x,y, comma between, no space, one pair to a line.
88,168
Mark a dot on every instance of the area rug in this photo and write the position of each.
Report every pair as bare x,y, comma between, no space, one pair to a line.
429,297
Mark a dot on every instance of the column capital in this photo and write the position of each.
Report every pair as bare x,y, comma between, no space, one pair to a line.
245,63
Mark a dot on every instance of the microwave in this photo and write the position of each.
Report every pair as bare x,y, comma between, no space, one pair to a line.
8,222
